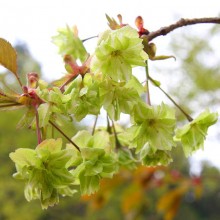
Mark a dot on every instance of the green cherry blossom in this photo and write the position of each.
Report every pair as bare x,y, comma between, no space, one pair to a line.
44,171
118,51
153,125
192,135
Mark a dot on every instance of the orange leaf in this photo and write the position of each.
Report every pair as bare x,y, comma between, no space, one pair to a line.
132,199
169,202
8,56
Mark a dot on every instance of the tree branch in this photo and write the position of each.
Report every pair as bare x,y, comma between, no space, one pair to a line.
182,22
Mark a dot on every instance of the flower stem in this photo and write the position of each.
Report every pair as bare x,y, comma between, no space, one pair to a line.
147,84
39,138
19,80
58,129
94,126
108,125
89,38
189,118
117,142
67,82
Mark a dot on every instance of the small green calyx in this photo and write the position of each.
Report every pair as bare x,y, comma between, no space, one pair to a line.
44,171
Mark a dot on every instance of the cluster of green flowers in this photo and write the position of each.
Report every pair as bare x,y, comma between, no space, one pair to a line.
50,171
45,171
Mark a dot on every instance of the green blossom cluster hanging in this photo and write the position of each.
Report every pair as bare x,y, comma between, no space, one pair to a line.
103,81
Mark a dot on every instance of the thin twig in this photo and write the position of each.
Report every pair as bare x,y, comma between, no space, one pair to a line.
58,129
182,22
189,118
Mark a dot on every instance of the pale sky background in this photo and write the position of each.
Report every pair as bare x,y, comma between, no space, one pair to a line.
34,22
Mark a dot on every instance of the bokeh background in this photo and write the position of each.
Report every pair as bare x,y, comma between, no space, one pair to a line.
188,189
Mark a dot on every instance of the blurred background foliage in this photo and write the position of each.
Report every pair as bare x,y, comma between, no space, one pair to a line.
146,193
